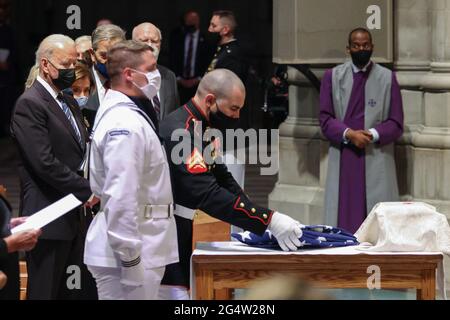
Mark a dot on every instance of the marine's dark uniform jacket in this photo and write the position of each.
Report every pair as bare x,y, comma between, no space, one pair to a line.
209,187
199,183
229,56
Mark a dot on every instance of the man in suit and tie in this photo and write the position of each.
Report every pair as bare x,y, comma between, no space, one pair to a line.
48,129
103,38
167,99
190,54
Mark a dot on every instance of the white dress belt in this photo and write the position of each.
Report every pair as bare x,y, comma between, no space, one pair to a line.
152,211
184,212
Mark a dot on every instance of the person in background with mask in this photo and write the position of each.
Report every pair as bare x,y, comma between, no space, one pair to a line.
133,237
167,99
49,132
361,114
190,54
103,38
81,90
201,181
228,54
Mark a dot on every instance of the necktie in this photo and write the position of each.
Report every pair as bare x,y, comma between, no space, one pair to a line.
70,117
157,106
188,63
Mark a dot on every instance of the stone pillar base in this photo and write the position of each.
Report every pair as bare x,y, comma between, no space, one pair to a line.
302,203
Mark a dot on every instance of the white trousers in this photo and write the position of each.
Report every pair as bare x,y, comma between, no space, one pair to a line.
173,293
110,288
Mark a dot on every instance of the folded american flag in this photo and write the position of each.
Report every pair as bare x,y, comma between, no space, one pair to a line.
315,236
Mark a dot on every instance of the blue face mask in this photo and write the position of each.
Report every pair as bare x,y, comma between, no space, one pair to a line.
101,68
82,101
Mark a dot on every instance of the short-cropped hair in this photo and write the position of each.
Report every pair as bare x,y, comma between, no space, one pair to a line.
125,54
228,18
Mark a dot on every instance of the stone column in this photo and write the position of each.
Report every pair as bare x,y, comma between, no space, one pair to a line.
299,191
423,154
422,63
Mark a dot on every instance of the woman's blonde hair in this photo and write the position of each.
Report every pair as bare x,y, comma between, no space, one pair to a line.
81,71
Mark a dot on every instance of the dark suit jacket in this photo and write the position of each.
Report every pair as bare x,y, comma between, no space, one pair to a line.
50,157
168,92
203,55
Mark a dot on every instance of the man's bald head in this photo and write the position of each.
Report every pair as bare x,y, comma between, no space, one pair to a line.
146,27
51,43
221,83
221,90
150,34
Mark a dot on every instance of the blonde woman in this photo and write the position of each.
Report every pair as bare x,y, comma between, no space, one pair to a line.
81,90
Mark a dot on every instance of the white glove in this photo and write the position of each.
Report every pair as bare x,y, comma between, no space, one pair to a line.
286,230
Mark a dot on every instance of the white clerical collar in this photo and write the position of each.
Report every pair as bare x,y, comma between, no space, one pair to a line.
364,69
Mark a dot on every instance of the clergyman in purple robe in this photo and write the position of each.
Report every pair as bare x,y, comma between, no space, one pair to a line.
361,114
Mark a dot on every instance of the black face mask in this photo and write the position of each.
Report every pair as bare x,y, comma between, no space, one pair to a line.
221,121
66,77
190,28
361,58
215,36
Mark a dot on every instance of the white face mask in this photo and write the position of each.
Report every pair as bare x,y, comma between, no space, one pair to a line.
150,90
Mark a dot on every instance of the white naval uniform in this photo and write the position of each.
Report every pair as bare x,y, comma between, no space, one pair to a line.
133,237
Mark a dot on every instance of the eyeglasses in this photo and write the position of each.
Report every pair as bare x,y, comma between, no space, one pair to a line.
366,46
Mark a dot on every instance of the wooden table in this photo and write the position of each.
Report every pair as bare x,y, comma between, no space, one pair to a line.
216,272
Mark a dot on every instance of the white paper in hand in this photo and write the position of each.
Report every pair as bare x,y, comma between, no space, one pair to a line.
49,214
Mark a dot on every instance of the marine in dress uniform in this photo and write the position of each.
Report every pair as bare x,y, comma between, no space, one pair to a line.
200,179
205,185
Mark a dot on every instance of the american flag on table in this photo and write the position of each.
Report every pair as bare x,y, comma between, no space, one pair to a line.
314,236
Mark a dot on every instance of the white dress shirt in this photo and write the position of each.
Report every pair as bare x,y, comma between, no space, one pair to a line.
101,90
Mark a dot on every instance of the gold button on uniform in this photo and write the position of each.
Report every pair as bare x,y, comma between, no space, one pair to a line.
241,205
253,210
265,216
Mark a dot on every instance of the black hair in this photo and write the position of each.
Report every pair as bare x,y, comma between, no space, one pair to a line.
359,29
